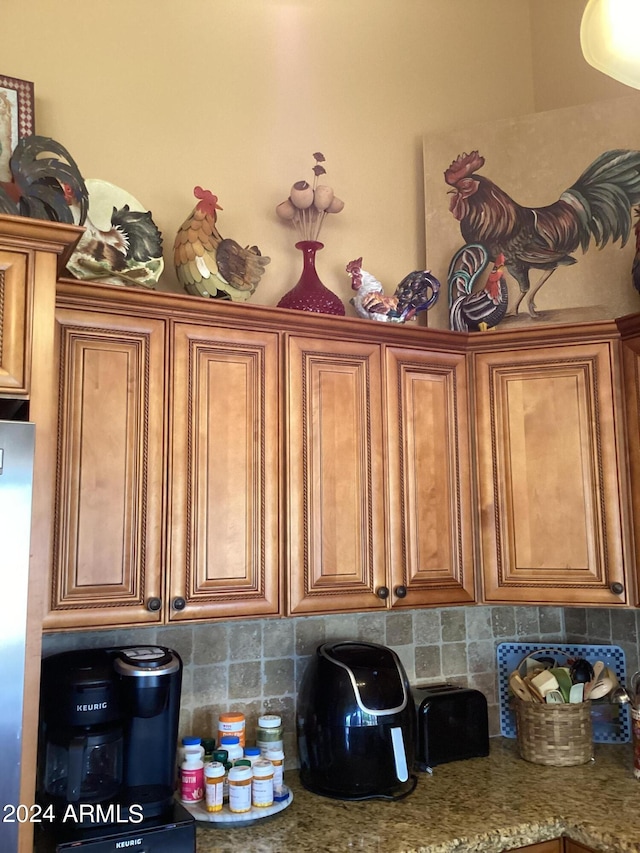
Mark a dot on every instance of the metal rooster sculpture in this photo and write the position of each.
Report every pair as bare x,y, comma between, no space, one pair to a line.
597,206
46,183
207,264
482,309
416,292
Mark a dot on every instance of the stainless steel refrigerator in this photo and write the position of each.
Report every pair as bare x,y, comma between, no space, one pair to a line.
16,476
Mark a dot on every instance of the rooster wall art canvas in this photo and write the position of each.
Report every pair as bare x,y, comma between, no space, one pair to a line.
596,209
554,192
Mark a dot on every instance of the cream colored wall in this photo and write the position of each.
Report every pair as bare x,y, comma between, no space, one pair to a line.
561,76
157,96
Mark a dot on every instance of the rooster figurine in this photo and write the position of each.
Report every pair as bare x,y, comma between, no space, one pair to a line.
207,264
45,183
416,292
476,311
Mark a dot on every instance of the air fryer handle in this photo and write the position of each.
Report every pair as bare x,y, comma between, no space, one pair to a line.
399,754
75,768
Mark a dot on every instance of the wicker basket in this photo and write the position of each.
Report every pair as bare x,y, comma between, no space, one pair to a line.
560,735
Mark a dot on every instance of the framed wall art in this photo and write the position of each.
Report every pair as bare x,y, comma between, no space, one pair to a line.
16,118
538,159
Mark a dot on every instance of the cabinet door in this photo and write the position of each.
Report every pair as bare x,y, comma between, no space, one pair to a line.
224,473
15,326
554,846
429,478
550,490
335,460
108,525
631,355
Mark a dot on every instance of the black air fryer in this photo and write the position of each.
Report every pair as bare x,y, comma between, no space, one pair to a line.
356,723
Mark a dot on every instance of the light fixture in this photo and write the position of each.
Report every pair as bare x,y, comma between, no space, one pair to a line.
610,38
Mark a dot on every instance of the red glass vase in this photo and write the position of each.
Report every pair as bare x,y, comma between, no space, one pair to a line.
310,294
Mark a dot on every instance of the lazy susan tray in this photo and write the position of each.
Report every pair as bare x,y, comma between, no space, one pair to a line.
231,820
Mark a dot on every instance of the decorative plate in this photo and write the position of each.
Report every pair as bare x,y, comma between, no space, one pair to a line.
122,244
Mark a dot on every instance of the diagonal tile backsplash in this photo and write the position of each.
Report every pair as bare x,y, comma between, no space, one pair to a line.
256,665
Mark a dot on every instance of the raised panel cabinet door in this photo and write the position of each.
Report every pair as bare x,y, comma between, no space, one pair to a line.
631,361
429,478
335,461
550,492
15,322
110,475
224,473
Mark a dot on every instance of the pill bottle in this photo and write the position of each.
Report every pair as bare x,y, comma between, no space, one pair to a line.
276,757
240,789
232,723
189,745
269,732
214,773
262,786
232,745
192,745
192,778
209,745
252,753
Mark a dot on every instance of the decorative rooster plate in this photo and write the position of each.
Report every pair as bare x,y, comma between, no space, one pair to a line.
122,244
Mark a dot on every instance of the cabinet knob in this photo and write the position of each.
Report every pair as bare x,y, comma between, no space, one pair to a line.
400,591
617,588
178,603
382,592
154,604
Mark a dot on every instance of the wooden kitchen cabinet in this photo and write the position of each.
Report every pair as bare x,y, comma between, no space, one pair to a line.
557,845
379,505
16,299
630,331
575,847
108,550
224,469
552,489
168,463
31,254
554,846
429,512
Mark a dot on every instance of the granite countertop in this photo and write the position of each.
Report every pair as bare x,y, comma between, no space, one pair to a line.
485,804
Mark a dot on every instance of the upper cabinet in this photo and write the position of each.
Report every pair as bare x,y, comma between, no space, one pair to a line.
217,460
428,462
552,484
378,476
167,496
223,511
109,518
15,323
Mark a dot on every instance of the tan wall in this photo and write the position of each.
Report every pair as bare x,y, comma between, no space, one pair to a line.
562,78
157,96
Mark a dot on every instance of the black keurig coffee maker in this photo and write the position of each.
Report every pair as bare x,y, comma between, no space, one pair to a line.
106,767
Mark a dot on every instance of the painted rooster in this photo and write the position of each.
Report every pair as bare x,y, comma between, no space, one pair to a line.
207,264
482,309
597,206
46,183
416,292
